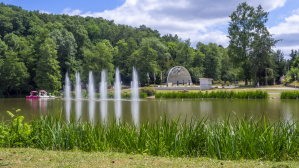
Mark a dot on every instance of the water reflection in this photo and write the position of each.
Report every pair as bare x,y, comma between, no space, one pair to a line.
67,109
91,109
43,104
104,110
135,111
33,103
78,109
151,110
117,108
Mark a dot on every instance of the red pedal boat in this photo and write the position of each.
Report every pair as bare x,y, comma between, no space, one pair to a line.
33,94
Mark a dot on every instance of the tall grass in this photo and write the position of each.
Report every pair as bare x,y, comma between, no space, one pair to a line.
237,139
219,94
289,95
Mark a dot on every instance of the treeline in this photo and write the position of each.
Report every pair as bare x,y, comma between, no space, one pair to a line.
37,49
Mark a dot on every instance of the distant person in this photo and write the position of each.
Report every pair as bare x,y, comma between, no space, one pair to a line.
258,84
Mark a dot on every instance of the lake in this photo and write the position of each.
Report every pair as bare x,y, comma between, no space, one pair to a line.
152,109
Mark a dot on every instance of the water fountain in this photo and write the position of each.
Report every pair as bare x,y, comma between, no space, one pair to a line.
134,86
117,86
91,91
103,86
78,87
67,87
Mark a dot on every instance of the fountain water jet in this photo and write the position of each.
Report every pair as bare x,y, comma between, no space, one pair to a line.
67,87
78,86
91,91
134,86
103,86
117,86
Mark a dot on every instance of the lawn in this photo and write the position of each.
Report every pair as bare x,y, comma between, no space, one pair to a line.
28,157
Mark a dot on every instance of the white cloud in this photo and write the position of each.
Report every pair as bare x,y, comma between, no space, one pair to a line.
289,26
288,31
199,20
43,11
71,12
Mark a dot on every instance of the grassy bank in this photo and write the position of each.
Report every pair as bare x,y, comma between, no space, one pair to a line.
289,95
218,94
28,157
238,139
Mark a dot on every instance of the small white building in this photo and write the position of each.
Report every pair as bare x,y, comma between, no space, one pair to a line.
205,83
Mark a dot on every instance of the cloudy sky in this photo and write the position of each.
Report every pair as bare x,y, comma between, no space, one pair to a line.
200,20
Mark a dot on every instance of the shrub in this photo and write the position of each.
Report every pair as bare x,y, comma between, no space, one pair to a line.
289,95
56,93
150,91
219,94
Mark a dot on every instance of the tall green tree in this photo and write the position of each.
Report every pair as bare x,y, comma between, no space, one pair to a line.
144,59
48,75
241,34
14,75
98,58
66,47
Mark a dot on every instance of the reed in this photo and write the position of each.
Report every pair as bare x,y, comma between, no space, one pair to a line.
218,94
227,139
289,95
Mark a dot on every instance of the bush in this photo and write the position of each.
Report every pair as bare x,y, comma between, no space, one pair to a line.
56,93
289,95
220,94
148,90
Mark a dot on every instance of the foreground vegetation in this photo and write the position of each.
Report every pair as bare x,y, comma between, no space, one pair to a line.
28,157
237,139
289,95
219,94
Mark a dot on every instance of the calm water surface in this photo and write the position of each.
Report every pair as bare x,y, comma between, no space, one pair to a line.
152,109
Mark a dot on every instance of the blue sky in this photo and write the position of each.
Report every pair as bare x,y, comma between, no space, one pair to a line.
200,20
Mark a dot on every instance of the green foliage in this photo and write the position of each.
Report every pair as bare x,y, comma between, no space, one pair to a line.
56,93
48,71
126,95
250,41
219,94
97,59
14,75
289,95
227,139
66,52
15,133
150,91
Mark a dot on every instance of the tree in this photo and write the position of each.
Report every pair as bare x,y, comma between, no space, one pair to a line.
251,42
14,75
185,54
98,58
212,62
144,59
48,75
66,51
260,56
240,35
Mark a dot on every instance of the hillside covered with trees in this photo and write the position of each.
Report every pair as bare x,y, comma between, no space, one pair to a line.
37,49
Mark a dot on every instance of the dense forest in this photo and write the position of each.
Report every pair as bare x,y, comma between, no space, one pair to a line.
37,49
